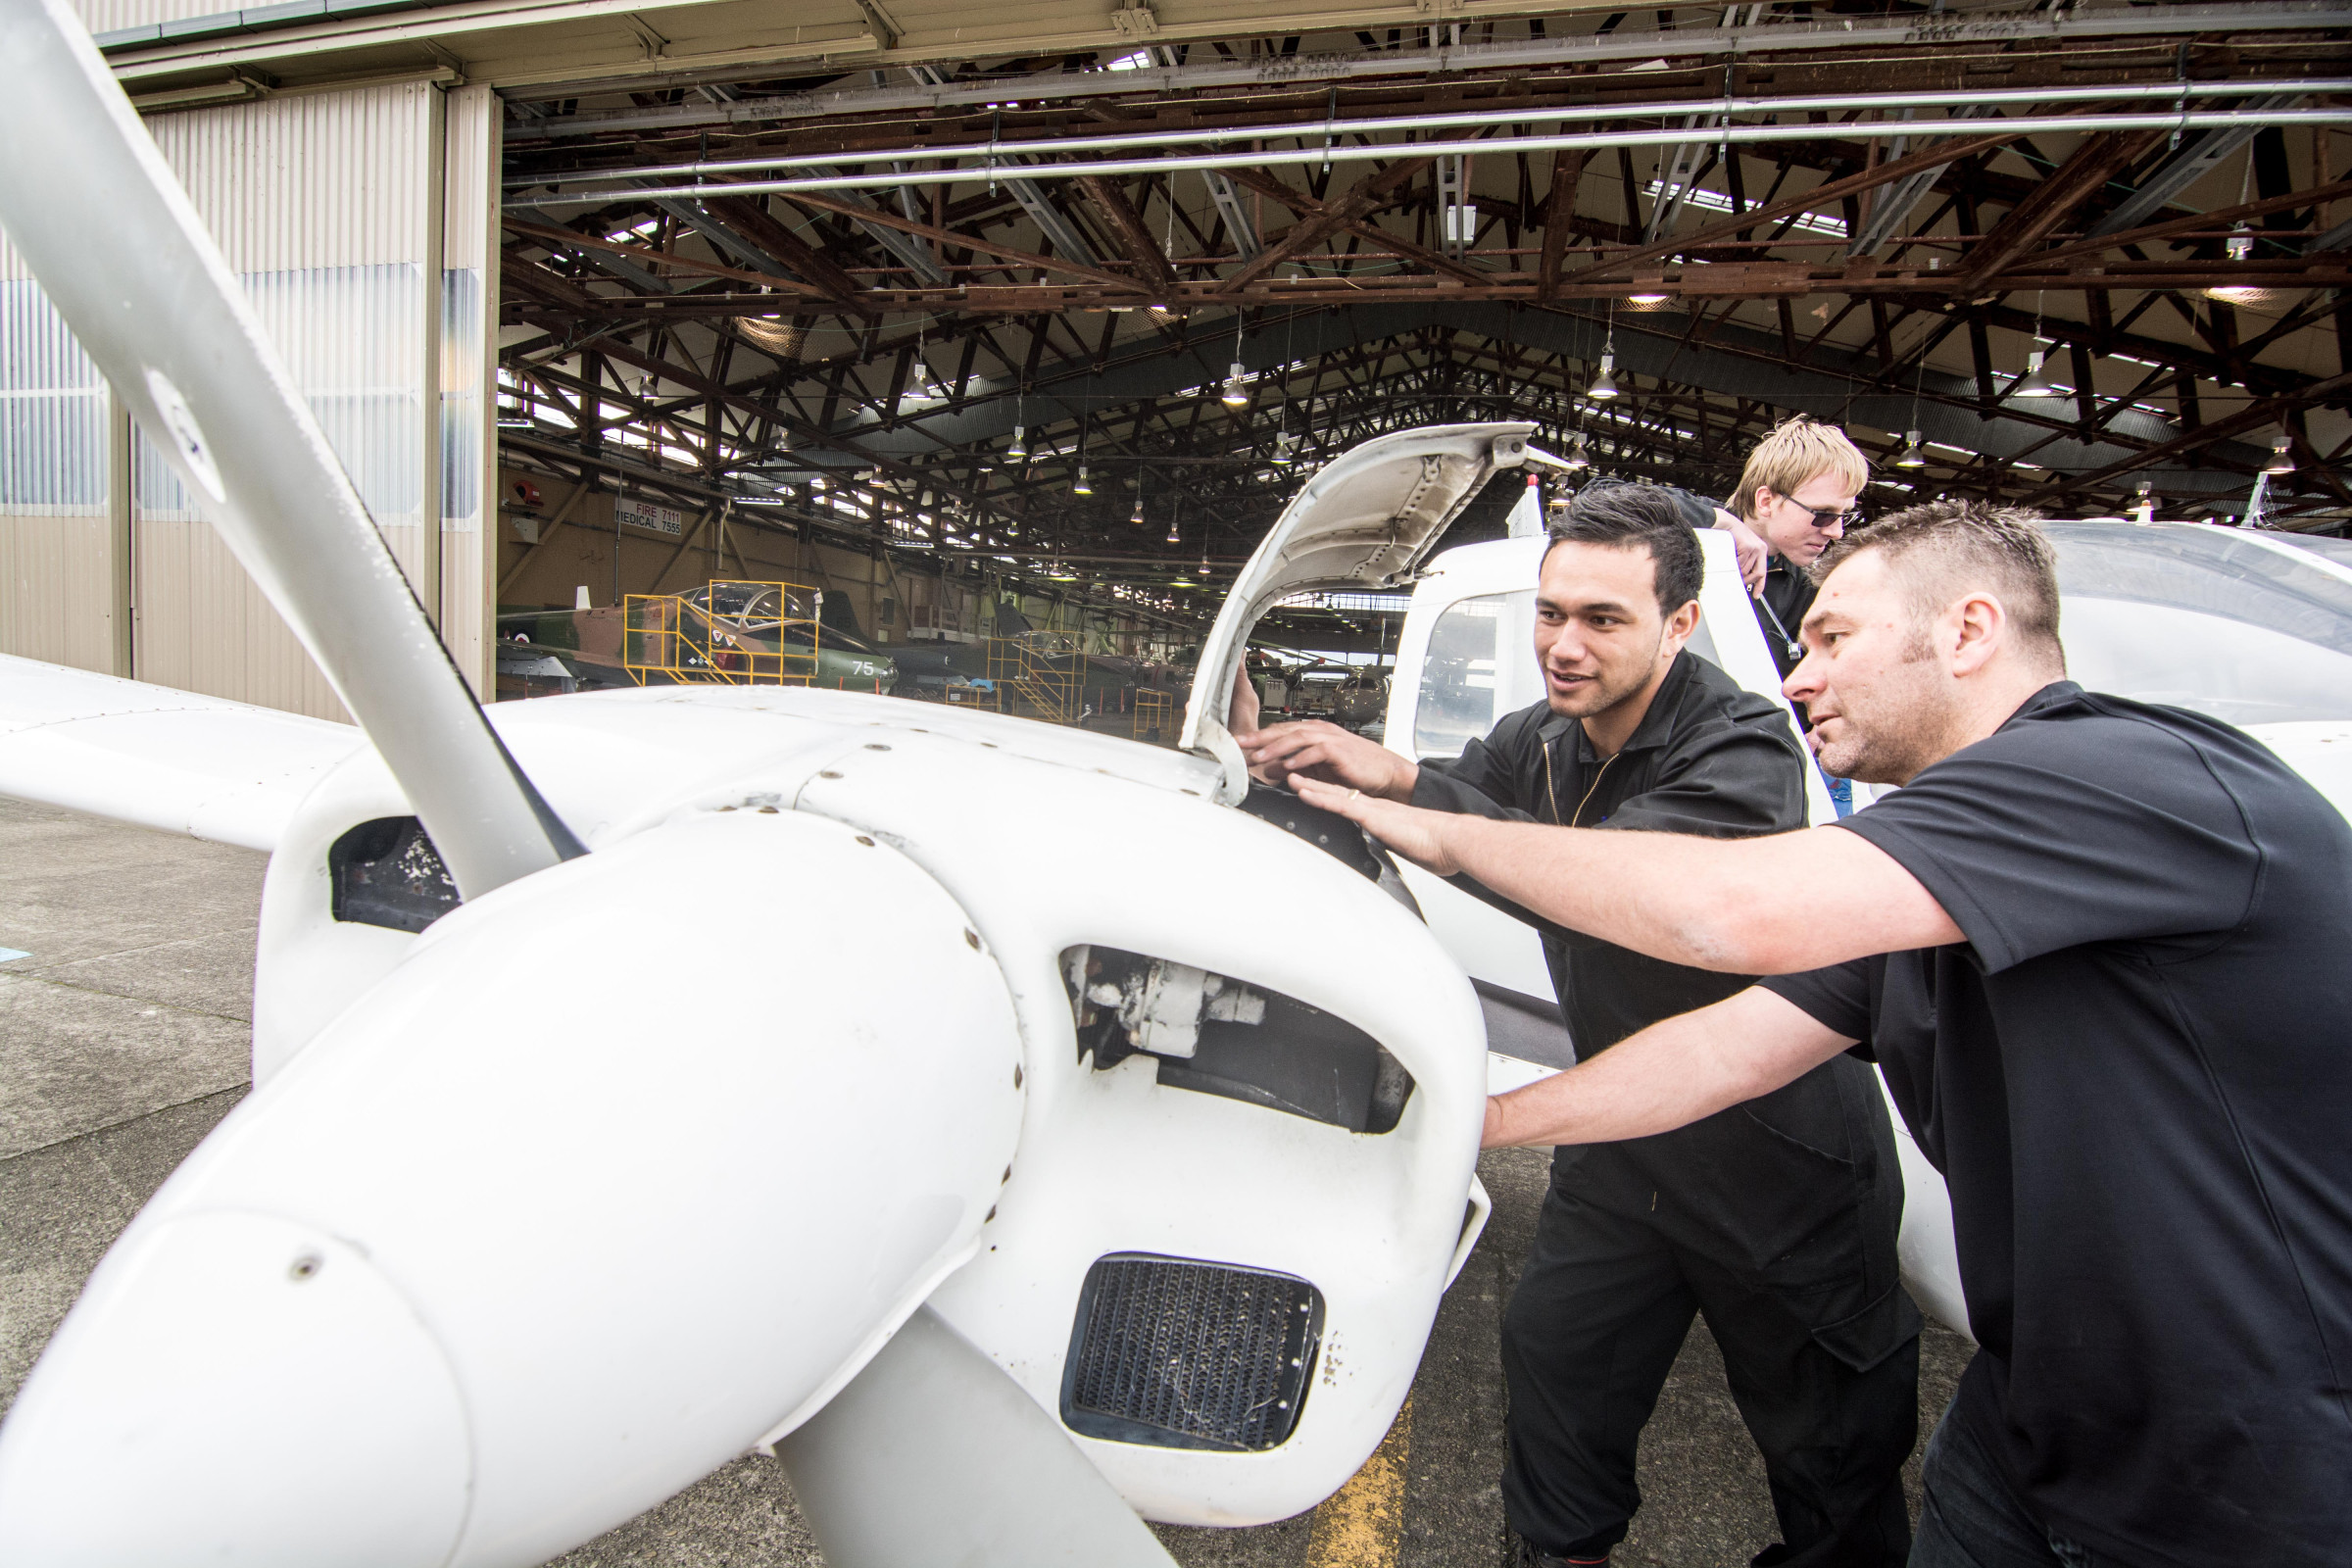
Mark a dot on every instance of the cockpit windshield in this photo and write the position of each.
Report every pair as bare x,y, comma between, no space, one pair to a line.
2205,618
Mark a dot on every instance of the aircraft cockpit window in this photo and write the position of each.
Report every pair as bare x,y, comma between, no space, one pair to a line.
2338,550
2204,618
1481,665
1215,1035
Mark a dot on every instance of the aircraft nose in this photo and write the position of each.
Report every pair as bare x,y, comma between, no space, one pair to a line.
239,1388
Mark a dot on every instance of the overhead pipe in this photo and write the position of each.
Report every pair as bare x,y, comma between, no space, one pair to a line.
1590,141
1781,35
1005,154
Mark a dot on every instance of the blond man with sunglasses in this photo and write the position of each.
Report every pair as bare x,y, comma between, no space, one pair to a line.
1796,495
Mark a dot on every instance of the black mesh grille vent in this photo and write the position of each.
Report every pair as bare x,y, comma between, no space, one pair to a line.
1190,1355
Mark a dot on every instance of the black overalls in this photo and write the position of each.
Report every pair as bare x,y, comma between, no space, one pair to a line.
1777,1218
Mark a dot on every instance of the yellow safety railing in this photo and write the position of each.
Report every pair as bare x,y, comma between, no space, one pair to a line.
1040,672
1155,715
731,631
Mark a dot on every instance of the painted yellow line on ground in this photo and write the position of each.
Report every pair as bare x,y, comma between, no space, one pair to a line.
1360,1524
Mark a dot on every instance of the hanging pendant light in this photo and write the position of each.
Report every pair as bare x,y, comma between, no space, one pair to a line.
1913,456
2282,461
1020,444
1577,456
1138,517
1237,390
1604,386
1281,449
2238,247
1173,537
2034,384
1082,488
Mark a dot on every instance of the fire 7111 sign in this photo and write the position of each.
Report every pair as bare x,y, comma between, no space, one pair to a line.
645,515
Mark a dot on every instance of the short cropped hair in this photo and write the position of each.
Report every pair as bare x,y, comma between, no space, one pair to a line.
1945,548
1625,515
1796,450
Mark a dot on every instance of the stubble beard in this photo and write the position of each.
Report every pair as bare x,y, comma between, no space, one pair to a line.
1900,729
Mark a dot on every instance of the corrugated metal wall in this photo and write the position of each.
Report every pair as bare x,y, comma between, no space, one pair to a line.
326,206
108,16
363,225
56,540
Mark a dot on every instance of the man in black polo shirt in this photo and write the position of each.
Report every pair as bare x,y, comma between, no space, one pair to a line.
2098,948
1777,1220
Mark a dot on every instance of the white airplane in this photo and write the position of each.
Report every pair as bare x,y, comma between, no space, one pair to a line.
1125,1184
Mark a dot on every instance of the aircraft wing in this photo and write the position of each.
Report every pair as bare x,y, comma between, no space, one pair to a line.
202,765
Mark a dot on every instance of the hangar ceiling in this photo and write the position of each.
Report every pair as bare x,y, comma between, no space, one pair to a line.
839,277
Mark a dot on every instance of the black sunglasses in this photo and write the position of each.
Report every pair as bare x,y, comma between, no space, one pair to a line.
1826,519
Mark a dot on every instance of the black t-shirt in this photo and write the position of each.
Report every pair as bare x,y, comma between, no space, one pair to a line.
2136,1076
1708,758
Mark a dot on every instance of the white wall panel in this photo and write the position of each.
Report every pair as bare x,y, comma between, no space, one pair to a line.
56,573
325,207
362,225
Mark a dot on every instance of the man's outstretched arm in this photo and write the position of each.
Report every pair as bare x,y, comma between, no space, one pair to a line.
1768,905
1669,1075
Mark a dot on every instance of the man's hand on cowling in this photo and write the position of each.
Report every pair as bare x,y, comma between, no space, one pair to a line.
1414,832
1283,754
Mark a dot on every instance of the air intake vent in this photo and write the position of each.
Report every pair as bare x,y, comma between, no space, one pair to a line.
387,872
1182,1355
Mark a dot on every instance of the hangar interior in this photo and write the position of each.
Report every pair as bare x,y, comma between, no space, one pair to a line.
1033,322
969,356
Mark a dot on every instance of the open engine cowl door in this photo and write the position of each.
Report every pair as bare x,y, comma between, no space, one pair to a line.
1363,523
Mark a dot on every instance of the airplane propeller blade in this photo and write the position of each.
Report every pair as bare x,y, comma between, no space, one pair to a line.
116,245
933,1454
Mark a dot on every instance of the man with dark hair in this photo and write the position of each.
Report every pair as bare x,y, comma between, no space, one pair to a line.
2097,946
1778,1219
